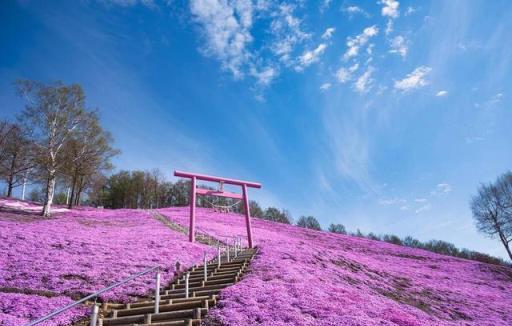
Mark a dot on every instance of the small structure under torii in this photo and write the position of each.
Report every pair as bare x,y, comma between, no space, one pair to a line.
194,191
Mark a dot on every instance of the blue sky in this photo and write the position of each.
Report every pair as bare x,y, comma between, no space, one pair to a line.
381,115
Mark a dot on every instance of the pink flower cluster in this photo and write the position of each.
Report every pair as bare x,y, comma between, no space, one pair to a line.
306,277
82,251
19,309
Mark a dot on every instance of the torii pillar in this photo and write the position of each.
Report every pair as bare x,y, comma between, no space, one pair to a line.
194,191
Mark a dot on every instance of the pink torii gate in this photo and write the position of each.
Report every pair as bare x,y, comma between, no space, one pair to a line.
221,193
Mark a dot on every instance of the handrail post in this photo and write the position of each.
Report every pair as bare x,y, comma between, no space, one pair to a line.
94,314
218,256
157,293
205,268
227,251
186,284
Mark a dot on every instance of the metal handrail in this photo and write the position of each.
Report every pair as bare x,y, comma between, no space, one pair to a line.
91,296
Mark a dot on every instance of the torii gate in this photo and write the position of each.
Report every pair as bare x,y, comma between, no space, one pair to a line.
221,193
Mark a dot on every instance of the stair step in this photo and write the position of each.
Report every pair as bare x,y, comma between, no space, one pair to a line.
173,316
162,302
182,295
165,308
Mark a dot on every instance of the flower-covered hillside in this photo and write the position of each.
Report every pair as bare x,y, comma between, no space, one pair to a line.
75,253
306,277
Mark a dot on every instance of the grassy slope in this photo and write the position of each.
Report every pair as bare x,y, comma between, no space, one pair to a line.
305,277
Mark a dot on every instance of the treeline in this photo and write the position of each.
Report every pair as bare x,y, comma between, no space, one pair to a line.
54,141
437,246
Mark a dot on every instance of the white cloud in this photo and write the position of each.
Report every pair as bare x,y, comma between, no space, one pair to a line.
390,8
343,74
441,93
226,30
423,208
414,80
441,189
392,201
355,43
265,76
420,200
288,33
399,46
311,56
363,83
444,187
354,10
410,10
328,33
325,5
325,86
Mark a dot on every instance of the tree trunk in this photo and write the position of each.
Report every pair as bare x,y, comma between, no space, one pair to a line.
80,188
73,186
506,244
50,190
10,180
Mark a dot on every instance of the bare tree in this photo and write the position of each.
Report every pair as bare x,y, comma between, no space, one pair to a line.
17,158
53,113
87,152
492,210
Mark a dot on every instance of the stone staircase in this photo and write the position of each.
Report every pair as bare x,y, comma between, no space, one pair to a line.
176,307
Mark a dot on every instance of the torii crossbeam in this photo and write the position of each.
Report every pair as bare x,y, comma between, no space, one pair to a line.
194,191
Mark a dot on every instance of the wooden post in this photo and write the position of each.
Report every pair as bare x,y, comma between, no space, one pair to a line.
191,234
247,215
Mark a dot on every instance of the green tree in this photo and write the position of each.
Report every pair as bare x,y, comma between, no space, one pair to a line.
309,222
276,215
337,228
52,114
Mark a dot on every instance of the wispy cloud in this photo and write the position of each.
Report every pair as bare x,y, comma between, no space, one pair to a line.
328,33
286,28
264,76
441,93
226,31
364,82
441,189
391,201
325,5
355,43
325,86
311,56
390,10
415,79
345,74
423,208
399,46
353,10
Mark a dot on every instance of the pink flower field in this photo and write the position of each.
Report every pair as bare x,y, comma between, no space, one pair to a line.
45,263
300,276
306,277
